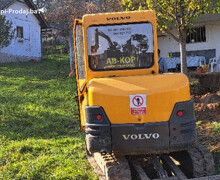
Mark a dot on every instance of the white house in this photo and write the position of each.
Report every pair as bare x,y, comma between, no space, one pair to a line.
203,41
28,23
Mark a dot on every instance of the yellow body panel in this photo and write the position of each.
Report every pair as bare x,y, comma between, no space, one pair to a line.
162,93
82,114
112,89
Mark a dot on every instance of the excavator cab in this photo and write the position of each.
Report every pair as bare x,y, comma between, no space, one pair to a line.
126,107
140,111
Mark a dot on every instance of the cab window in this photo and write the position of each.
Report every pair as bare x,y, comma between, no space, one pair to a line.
80,51
117,47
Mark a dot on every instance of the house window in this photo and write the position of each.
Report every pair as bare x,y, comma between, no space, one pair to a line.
197,34
20,33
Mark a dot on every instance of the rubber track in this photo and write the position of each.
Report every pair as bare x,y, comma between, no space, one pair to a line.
203,163
111,167
114,168
96,167
209,167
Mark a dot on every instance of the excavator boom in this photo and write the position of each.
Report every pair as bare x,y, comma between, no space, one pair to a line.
98,33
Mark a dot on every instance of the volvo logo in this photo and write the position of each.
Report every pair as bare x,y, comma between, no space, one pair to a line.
118,18
141,136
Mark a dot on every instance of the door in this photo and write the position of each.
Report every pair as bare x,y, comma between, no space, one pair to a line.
80,66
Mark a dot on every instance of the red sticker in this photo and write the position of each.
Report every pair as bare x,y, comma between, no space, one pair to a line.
138,105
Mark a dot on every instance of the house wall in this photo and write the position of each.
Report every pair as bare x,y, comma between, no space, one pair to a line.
210,48
28,47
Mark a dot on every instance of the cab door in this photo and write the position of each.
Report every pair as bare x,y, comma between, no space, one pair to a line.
80,66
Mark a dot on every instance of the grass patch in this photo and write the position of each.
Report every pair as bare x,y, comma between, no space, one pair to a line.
39,138
216,128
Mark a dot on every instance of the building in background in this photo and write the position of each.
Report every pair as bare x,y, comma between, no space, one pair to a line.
28,23
203,40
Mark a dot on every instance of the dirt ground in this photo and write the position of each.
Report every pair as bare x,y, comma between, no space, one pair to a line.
207,111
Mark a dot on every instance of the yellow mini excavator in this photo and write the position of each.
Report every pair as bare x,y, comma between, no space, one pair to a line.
139,124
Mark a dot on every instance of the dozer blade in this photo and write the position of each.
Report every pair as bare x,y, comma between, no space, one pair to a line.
169,165
183,165
141,173
174,168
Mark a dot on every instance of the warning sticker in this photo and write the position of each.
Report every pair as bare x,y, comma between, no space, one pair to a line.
138,104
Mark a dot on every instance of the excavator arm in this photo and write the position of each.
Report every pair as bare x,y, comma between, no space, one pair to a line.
98,33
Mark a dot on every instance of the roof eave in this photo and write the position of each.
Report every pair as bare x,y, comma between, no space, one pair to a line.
7,5
40,17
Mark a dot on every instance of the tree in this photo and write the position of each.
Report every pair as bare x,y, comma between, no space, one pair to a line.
107,5
39,3
129,5
61,14
179,14
6,32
